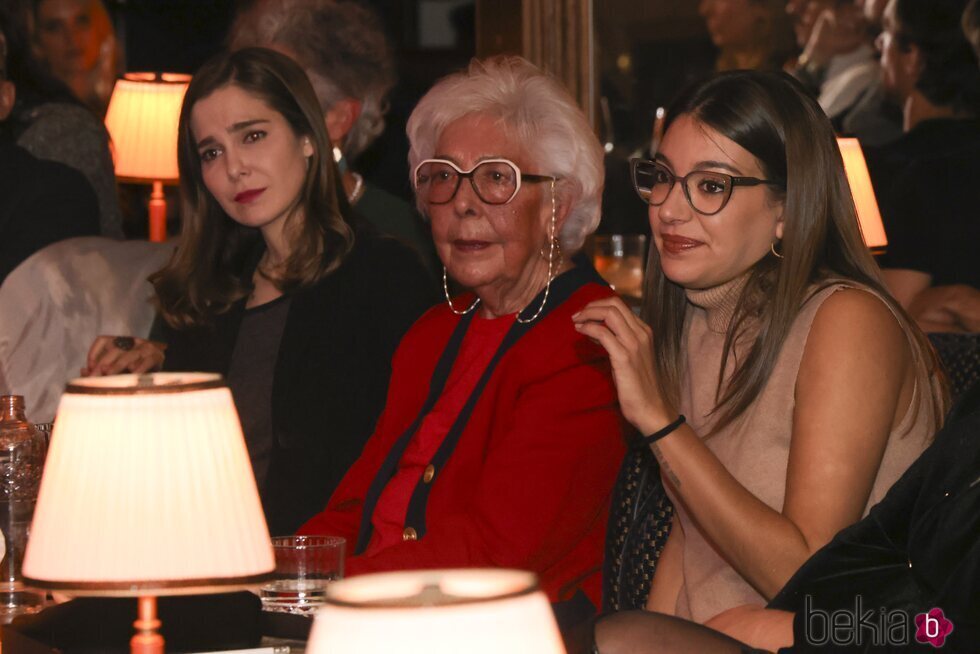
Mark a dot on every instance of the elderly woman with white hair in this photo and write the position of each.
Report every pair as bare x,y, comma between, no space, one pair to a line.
501,437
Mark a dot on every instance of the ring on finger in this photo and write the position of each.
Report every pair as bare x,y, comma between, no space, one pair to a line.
124,343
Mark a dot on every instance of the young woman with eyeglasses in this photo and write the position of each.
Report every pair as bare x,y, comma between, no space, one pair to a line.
780,387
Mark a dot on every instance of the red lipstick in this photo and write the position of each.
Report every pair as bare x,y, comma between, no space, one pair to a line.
678,244
246,197
470,246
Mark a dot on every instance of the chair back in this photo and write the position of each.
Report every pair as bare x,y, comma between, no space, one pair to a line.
59,299
960,356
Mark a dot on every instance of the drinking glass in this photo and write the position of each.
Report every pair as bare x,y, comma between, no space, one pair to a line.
620,259
304,567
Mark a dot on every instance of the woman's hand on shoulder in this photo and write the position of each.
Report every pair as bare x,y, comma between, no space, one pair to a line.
854,384
629,342
111,355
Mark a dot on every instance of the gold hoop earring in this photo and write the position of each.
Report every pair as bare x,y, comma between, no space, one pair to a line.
772,248
551,258
449,300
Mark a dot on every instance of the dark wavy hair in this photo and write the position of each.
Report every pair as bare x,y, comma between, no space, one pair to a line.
774,118
950,76
211,268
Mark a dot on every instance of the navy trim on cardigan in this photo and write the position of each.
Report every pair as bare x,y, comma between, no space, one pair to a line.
562,287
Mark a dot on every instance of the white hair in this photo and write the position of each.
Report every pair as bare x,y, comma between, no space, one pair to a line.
540,113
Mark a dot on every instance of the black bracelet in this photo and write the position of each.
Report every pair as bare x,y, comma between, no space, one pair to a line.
666,431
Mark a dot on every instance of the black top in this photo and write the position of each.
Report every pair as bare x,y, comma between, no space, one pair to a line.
41,202
928,191
917,550
331,373
250,374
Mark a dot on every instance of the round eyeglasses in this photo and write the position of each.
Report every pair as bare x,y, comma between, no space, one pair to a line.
706,191
495,181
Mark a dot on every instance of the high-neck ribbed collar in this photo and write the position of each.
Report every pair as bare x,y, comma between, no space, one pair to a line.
719,302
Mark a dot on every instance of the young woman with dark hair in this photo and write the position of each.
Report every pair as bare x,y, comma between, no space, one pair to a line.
275,284
806,389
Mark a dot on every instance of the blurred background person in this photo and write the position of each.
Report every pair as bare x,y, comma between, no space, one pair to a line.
48,121
343,49
305,303
749,34
953,307
511,458
41,202
839,64
971,25
926,180
75,40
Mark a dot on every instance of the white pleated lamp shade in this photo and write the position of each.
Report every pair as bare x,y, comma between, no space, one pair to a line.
147,489
437,612
858,178
142,119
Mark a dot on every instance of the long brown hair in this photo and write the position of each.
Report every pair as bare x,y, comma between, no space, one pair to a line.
774,119
210,269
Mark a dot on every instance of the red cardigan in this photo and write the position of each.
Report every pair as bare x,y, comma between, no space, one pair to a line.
529,482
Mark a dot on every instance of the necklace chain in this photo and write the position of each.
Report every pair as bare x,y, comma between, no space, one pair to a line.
358,189
552,268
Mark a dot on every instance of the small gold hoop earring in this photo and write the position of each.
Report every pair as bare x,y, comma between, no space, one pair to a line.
772,248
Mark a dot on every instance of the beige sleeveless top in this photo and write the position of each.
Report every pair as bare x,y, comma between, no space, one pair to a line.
755,446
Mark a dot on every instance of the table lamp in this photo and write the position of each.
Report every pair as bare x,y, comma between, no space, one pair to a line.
869,218
147,490
475,611
142,121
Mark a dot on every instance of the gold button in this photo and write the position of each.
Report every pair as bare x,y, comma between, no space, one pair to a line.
430,472
410,534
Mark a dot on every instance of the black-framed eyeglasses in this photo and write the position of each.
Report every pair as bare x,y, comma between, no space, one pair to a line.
706,191
495,181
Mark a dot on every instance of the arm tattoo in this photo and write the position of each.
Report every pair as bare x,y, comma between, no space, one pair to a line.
664,466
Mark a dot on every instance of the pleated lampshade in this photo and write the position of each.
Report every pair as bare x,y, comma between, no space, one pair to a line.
437,612
147,489
142,120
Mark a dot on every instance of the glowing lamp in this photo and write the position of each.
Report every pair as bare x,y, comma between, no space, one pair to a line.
437,612
869,218
142,120
147,490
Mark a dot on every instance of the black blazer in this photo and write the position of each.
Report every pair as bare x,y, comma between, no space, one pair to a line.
331,375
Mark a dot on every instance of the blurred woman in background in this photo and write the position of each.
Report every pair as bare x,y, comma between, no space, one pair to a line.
75,40
749,34
51,123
